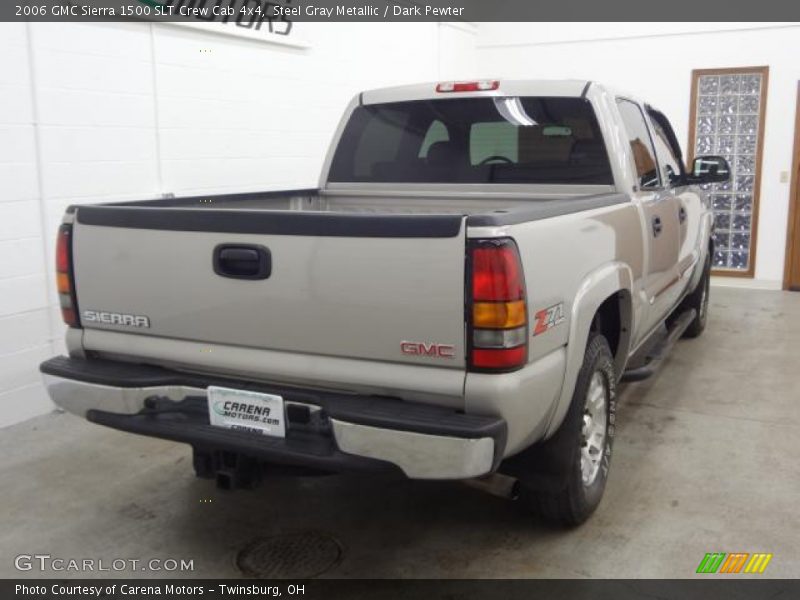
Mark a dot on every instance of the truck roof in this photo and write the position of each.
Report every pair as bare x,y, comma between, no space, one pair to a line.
506,87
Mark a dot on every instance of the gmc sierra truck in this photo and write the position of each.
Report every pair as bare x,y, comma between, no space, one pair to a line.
480,266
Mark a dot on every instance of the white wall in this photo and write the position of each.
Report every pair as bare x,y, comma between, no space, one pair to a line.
103,112
25,331
458,50
654,61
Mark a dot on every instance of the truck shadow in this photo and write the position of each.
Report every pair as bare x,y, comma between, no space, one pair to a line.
386,526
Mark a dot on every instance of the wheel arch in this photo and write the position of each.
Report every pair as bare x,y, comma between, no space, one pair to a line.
613,319
603,303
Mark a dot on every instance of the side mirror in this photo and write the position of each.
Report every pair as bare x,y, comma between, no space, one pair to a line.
709,169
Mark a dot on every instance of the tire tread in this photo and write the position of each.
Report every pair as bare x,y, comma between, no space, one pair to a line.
568,506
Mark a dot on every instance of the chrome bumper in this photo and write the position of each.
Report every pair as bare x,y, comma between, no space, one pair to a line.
420,455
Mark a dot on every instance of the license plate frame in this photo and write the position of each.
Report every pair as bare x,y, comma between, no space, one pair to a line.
244,410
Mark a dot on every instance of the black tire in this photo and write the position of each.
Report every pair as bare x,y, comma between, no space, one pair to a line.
698,300
576,498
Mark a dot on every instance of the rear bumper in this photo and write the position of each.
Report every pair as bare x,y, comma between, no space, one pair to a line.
335,432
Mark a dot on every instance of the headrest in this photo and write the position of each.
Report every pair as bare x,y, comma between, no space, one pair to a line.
442,154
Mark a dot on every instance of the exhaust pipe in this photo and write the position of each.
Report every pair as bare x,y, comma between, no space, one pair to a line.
496,484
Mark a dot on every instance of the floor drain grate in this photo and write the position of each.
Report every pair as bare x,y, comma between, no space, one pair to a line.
289,556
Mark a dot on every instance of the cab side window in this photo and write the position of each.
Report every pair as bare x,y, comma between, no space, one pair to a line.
641,144
670,165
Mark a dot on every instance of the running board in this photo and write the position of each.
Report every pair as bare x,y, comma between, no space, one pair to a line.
661,349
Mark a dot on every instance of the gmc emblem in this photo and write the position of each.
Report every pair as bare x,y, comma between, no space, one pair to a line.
432,350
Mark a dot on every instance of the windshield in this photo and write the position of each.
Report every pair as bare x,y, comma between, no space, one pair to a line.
473,140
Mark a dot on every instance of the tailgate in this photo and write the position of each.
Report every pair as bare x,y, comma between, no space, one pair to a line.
378,287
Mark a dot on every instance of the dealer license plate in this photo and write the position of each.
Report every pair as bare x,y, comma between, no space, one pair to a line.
246,411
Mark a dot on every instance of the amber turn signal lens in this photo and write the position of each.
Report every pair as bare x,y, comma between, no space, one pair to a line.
64,276
499,315
62,283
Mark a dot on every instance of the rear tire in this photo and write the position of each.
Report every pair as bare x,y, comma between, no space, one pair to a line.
581,448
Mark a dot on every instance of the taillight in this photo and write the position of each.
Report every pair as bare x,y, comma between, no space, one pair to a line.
497,312
65,280
467,86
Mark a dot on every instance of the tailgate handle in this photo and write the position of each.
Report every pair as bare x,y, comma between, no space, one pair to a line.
242,261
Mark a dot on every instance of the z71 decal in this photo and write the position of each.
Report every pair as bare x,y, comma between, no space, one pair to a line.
547,318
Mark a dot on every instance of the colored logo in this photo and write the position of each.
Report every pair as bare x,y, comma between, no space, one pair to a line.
736,562
547,318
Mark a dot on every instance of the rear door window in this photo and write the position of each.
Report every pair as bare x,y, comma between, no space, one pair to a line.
644,155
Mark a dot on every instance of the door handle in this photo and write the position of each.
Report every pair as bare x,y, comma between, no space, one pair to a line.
657,226
682,214
242,261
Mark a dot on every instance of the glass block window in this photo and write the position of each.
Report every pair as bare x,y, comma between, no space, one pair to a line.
727,120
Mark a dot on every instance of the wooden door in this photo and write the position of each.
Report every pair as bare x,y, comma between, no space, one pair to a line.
791,279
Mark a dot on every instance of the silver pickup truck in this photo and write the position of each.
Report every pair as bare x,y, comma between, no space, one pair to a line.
481,264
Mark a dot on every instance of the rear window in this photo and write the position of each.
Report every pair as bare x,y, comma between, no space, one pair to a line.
473,140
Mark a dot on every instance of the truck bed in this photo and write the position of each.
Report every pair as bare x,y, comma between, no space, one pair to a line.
482,211
351,276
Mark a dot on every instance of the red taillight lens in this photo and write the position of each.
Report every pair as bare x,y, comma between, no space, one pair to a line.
497,312
500,359
497,274
65,281
467,86
63,249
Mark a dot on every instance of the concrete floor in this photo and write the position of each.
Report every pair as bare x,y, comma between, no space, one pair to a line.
705,460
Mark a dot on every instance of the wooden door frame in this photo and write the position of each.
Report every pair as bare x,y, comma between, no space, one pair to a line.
793,234
762,116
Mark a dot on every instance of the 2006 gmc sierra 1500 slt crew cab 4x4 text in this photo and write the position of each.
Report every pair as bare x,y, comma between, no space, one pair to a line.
481,264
